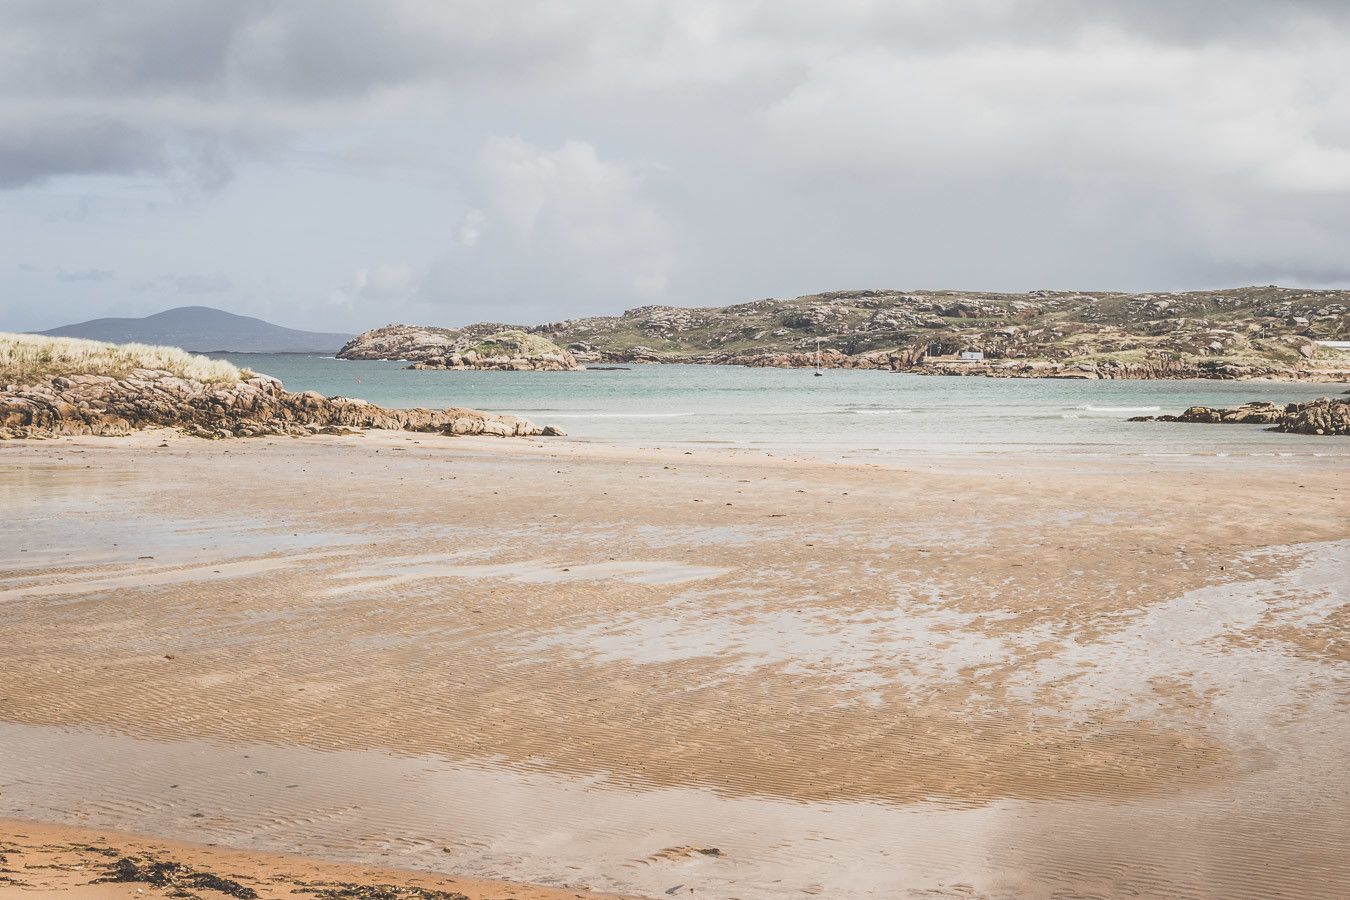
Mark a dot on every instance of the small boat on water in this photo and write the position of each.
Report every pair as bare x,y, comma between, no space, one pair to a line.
818,373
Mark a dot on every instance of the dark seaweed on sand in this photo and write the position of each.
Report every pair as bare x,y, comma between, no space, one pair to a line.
175,876
347,891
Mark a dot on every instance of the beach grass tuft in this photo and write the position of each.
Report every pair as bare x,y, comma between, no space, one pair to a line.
29,358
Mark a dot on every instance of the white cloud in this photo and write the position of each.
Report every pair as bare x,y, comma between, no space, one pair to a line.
470,227
1107,104
556,225
380,284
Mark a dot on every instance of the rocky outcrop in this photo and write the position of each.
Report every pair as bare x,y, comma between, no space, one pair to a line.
1258,412
410,342
506,349
1324,416
250,406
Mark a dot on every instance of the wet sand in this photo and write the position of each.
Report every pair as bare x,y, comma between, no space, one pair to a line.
582,666
41,860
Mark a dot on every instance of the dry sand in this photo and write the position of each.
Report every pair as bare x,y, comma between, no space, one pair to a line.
582,666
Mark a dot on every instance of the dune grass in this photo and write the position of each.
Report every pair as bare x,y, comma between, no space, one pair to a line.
29,358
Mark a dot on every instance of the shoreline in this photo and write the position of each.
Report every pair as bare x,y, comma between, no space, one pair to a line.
1341,377
1331,377
1334,377
41,858
945,460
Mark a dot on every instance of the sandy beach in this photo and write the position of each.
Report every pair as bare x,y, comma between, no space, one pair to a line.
678,673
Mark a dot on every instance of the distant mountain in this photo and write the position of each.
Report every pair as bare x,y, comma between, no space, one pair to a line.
203,328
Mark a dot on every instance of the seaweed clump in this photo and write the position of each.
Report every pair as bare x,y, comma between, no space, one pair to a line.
181,880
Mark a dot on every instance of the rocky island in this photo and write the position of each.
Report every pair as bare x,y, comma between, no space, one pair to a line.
65,386
479,347
1243,333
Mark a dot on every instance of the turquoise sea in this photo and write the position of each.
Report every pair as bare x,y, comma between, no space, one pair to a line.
843,413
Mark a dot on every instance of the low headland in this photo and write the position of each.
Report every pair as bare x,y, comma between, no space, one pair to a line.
1244,333
52,386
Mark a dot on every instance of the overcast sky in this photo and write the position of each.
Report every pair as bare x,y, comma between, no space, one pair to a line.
339,165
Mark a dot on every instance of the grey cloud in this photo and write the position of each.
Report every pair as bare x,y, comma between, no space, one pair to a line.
190,283
86,46
1208,20
89,87
309,49
199,284
45,147
937,27
304,49
86,275
41,148
1228,274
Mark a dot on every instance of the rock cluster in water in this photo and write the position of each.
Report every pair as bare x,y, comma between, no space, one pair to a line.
252,406
1324,416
